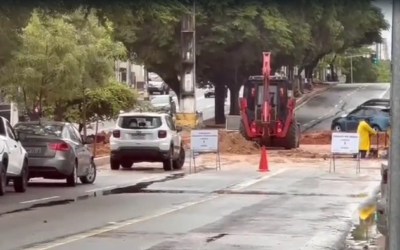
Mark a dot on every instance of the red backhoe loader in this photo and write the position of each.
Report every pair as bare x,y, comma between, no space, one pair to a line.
268,113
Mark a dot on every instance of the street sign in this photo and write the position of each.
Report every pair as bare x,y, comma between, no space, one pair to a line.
345,143
204,140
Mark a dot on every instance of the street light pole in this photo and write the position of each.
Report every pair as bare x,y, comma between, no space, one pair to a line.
394,156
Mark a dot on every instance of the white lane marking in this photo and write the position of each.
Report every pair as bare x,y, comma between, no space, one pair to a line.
249,183
384,93
118,225
42,199
100,189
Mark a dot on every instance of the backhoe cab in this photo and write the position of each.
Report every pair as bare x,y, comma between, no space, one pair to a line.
268,111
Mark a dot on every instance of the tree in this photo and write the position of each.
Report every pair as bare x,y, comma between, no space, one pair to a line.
233,39
41,70
151,33
384,71
363,70
103,103
61,57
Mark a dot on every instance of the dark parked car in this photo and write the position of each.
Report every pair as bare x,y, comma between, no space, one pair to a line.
56,150
377,102
379,116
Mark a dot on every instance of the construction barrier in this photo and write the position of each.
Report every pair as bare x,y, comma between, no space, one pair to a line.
189,120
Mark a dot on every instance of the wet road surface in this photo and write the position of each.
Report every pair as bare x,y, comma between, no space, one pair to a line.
228,209
318,113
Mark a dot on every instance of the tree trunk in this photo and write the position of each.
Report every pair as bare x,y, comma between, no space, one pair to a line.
59,111
84,115
174,84
332,68
219,103
234,100
301,85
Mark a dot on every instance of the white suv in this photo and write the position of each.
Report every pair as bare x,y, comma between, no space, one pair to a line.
14,159
146,137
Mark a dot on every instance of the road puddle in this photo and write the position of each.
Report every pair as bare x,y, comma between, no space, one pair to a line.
364,235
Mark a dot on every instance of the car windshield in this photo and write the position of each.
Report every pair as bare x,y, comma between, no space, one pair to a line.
160,100
140,122
39,129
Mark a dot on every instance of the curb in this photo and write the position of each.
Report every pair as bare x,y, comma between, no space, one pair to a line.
308,96
101,161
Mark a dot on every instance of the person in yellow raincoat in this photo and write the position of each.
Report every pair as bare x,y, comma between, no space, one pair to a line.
365,131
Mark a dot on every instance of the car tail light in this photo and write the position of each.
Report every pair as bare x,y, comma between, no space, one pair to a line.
385,176
116,133
162,134
59,147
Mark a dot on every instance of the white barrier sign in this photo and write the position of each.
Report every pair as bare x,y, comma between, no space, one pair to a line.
204,140
345,143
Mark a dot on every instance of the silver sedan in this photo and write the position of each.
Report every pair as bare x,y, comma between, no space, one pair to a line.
56,150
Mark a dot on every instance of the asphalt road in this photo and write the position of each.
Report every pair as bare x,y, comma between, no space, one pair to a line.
318,113
236,208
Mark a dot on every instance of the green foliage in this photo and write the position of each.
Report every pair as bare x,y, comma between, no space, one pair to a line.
363,70
61,58
384,71
107,102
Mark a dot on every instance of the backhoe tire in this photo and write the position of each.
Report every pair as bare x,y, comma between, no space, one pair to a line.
292,138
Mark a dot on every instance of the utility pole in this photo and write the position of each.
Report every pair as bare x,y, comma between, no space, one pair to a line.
188,116
351,69
394,156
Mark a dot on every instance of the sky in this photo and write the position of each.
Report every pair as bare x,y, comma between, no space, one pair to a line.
386,6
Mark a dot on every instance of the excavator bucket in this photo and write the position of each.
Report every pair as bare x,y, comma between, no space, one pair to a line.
267,64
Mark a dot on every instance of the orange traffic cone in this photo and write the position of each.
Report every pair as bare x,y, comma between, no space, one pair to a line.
263,161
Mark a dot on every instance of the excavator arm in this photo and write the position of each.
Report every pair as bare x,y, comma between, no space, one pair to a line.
266,70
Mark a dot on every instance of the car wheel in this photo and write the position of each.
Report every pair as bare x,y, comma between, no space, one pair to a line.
376,128
72,179
168,163
114,164
21,182
337,128
127,164
3,179
178,163
91,175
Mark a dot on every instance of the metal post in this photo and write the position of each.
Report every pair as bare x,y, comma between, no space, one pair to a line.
188,116
351,69
394,157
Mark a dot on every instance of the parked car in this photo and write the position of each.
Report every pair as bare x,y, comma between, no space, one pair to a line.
157,86
376,102
56,150
146,137
164,103
14,159
209,92
379,116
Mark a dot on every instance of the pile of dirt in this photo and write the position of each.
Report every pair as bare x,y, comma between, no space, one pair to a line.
301,153
318,138
235,143
102,149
